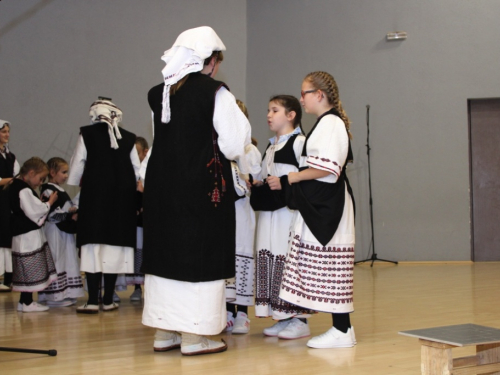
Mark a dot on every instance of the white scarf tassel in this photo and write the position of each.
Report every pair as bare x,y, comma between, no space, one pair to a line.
165,114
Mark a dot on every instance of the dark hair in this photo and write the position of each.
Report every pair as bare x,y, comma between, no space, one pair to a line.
290,103
33,164
217,54
142,141
55,164
176,86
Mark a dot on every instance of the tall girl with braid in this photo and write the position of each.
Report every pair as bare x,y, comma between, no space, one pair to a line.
320,260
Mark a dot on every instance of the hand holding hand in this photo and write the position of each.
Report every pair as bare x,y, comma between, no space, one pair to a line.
293,177
52,198
274,183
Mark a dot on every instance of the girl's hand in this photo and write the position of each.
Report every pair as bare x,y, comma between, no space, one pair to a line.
274,182
74,217
249,184
52,198
293,177
258,183
72,209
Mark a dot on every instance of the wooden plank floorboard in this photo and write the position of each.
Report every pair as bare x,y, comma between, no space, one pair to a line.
388,299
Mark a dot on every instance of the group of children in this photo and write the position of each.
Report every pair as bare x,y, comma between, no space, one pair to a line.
38,248
304,248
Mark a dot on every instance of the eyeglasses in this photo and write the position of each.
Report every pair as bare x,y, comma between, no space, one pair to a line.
303,93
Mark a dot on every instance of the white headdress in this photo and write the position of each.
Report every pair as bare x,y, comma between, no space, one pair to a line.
106,111
3,123
186,56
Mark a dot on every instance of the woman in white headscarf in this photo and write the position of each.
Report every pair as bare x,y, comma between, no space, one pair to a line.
9,167
106,166
189,214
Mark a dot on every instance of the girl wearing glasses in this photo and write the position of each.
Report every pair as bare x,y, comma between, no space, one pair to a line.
319,265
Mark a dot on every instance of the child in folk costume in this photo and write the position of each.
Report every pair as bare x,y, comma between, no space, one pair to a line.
137,278
106,162
33,267
9,167
189,213
60,229
282,156
320,261
240,289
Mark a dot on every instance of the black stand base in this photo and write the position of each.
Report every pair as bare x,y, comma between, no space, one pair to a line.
373,259
51,352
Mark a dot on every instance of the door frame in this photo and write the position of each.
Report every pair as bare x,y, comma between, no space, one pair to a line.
471,186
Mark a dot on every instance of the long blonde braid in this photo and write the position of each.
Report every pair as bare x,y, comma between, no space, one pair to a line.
325,82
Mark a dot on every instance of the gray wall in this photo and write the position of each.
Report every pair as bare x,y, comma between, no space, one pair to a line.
56,56
417,89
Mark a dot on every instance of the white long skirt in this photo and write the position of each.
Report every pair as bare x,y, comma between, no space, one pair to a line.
32,264
69,281
240,289
273,230
321,277
198,308
5,260
107,259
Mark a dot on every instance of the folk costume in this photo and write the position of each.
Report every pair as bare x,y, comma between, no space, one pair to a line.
60,232
9,167
106,165
320,261
137,278
282,156
240,289
33,267
189,212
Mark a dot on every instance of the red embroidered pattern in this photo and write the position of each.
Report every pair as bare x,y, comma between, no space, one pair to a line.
337,169
322,274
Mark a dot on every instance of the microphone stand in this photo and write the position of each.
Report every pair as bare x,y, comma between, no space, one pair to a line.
373,257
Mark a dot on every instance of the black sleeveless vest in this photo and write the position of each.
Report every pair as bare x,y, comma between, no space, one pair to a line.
20,224
67,224
321,204
6,171
107,209
188,236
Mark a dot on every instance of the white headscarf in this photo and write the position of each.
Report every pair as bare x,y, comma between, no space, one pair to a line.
106,111
186,56
2,125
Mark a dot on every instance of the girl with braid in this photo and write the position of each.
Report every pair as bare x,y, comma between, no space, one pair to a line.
318,272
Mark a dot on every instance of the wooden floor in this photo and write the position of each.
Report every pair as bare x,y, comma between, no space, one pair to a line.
387,298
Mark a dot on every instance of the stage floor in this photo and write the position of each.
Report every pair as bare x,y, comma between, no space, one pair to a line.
387,299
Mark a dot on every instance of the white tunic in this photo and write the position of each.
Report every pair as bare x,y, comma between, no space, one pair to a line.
240,289
327,288
100,257
199,308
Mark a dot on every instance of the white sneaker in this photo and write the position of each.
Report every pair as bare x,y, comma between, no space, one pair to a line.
353,335
136,295
333,338
295,330
34,307
116,297
62,303
88,309
171,340
241,323
276,328
113,306
205,346
230,322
